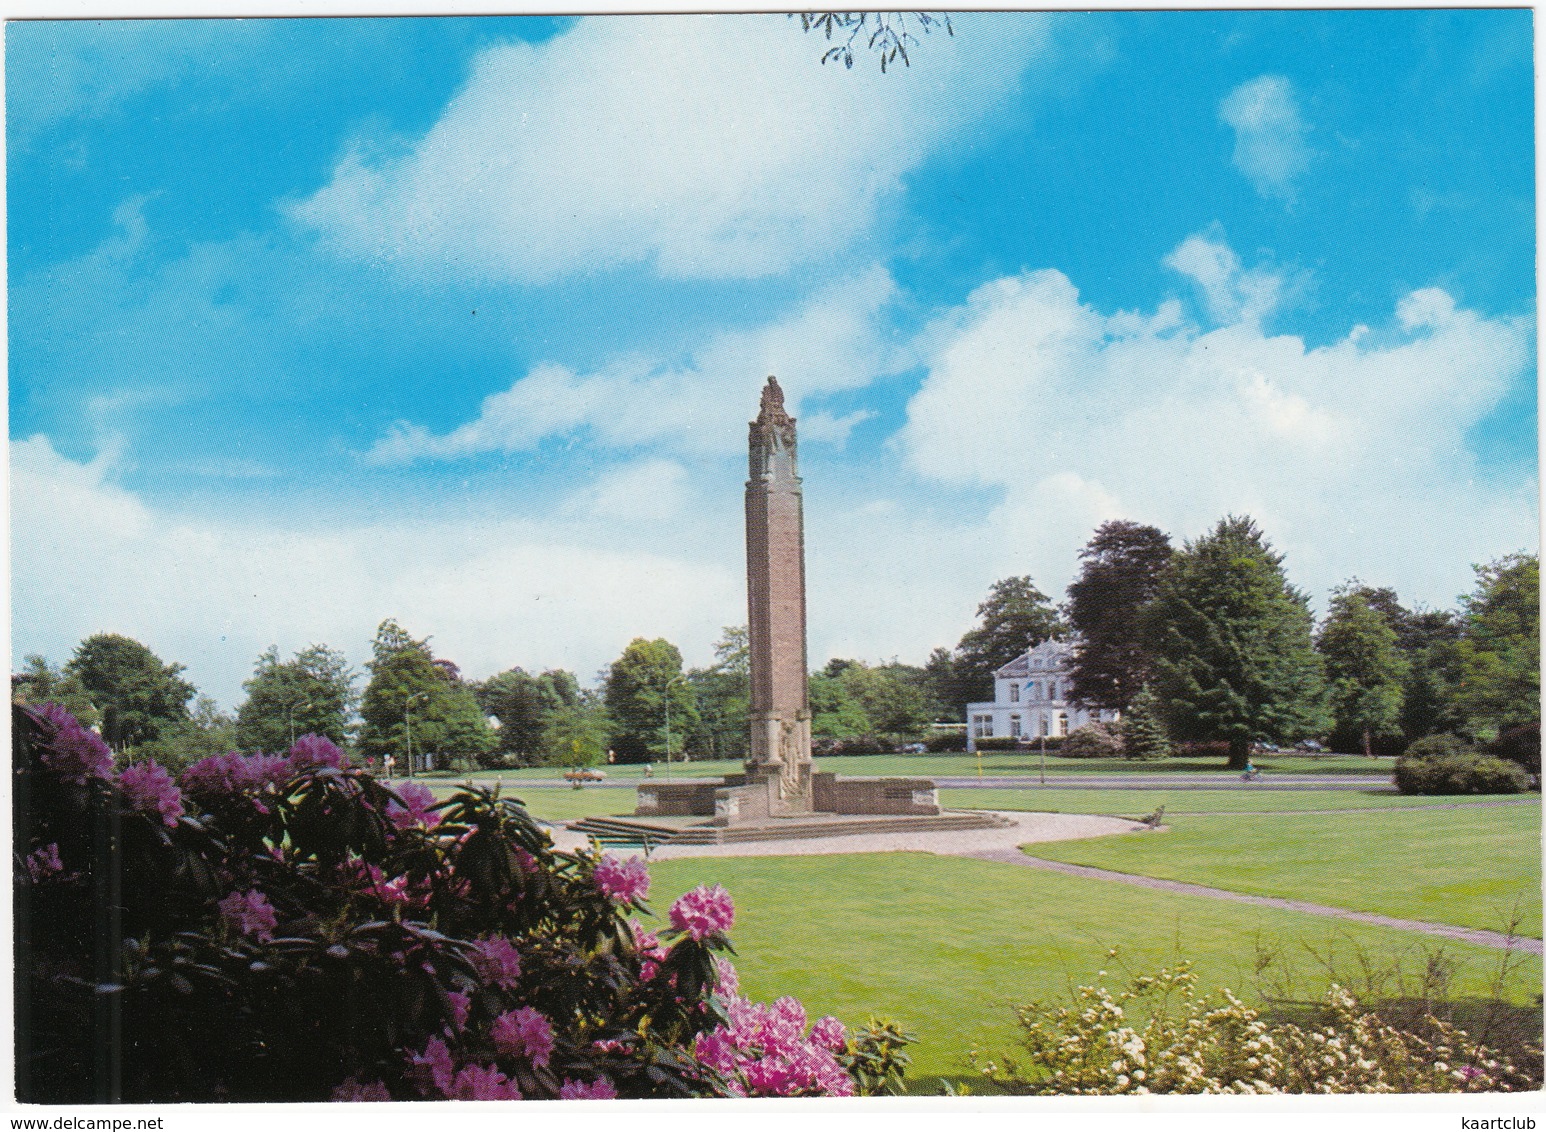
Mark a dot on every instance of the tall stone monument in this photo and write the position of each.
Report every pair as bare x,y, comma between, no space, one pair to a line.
780,794
775,598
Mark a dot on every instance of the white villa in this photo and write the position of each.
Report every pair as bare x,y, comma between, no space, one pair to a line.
1030,698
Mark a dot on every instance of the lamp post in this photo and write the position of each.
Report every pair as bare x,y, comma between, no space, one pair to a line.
673,680
303,705
408,725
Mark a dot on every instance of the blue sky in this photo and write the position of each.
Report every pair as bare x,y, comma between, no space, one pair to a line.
459,321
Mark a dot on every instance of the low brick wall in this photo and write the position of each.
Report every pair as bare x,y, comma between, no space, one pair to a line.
834,795
676,799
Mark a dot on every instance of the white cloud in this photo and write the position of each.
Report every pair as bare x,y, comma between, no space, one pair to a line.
1353,456
830,344
211,593
1269,134
1231,295
709,146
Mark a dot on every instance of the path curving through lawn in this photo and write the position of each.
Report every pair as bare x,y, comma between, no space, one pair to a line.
1477,936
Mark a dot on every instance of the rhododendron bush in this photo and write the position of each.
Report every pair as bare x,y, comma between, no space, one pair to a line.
287,928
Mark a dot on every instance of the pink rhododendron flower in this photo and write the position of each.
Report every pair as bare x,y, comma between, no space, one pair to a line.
703,912
482,1083
526,862
524,1032
726,981
150,788
352,1090
460,1004
830,1034
415,808
312,751
249,913
498,961
599,1090
233,773
44,863
74,753
432,1069
622,882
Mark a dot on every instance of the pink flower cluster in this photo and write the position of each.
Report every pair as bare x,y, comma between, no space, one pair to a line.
622,882
498,961
525,1033
312,751
44,863
417,802
651,953
434,1071
703,912
727,981
765,1052
74,753
234,773
250,913
150,788
353,1090
598,1090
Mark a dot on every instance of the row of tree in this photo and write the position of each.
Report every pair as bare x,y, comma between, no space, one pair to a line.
1211,637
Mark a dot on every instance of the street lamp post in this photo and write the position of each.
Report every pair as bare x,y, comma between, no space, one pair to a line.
408,725
673,680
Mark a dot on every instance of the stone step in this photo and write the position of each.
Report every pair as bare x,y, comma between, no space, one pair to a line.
792,828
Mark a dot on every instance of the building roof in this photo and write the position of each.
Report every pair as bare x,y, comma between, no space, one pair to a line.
1051,655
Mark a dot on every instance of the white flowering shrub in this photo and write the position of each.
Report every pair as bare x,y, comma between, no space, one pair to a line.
1161,1036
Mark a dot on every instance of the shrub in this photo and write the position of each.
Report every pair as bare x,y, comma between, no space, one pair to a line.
939,742
1521,746
286,928
1093,741
1144,737
1467,773
1212,749
1433,746
1193,1044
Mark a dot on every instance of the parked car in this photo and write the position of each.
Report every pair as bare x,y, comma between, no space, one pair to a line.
1309,745
1268,748
584,774
914,749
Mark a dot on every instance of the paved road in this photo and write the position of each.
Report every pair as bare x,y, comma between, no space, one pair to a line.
1445,931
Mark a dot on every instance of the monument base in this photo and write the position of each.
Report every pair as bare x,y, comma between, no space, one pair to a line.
653,832
761,795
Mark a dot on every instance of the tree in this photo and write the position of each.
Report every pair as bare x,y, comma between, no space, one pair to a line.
1365,671
640,684
723,692
40,683
1231,641
1499,652
835,712
208,731
1016,616
945,691
414,705
887,34
1426,639
524,704
576,734
136,694
1122,565
313,693
1142,728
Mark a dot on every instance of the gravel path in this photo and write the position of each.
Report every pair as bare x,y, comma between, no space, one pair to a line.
1446,931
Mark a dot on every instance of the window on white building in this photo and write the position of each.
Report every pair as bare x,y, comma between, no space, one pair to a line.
1014,726
1014,693
982,726
1046,726
1062,724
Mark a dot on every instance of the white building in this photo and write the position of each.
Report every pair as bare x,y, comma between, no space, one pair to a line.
1030,698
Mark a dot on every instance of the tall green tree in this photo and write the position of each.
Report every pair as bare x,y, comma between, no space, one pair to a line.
41,683
1365,671
723,692
1120,571
1234,659
413,704
523,704
1014,617
136,694
1143,730
576,734
312,693
640,684
207,731
1499,653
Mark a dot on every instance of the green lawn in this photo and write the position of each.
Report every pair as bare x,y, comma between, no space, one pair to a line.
949,945
1134,803
1465,867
